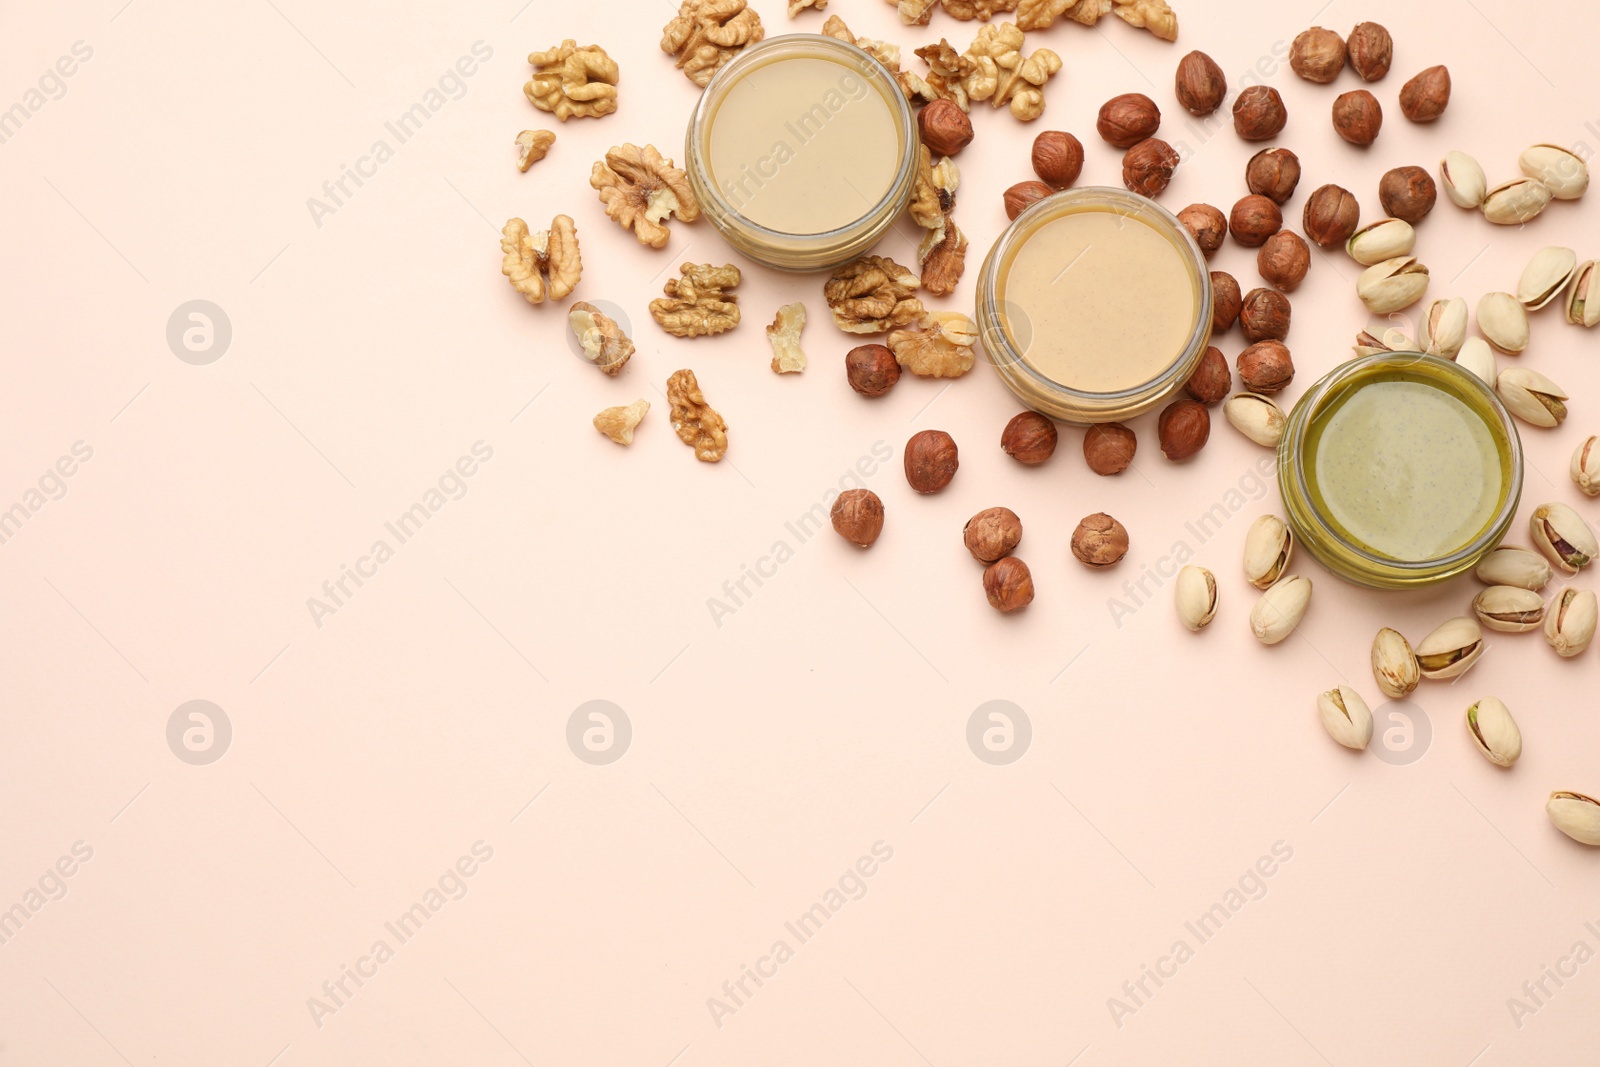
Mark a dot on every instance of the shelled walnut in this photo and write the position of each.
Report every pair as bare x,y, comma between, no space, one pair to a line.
572,82
947,75
871,295
532,146
942,255
695,422
1152,15
883,51
698,304
784,336
601,338
641,190
937,344
797,6
707,33
542,265
618,423
1003,76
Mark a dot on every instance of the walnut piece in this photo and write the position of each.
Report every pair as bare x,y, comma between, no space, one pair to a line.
797,6
617,423
984,10
694,421
914,12
601,338
641,190
543,265
698,304
572,82
707,33
947,74
884,52
532,146
1153,15
784,336
871,295
942,255
937,344
1003,75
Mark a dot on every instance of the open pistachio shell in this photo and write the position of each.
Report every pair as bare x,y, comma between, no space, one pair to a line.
1569,621
1346,717
1545,276
1509,609
1494,731
1280,609
1452,648
1558,169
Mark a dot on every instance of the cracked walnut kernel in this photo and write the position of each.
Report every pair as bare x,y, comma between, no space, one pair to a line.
693,420
942,254
784,336
707,33
532,146
1002,75
938,344
698,304
641,190
871,294
617,423
601,338
541,265
572,82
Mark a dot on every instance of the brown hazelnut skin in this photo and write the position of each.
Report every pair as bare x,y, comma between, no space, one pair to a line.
1206,225
1147,167
1424,98
1265,316
1266,367
1253,219
1407,193
1126,120
1357,117
1332,214
1283,261
858,516
931,459
1258,113
1023,195
1200,84
1183,428
1317,55
1273,173
1108,448
992,533
1371,50
1008,584
944,127
1212,379
1029,438
1225,301
871,369
1100,541
1057,158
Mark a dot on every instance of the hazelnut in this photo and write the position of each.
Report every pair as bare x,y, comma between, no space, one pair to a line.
1273,173
1253,219
1266,367
1108,448
1211,380
1128,119
944,127
1284,260
1008,584
992,533
1200,84
1357,117
1206,224
871,369
1100,540
1423,98
1331,216
858,516
1147,167
1265,316
1225,301
1023,195
1371,48
1057,158
1183,428
1029,438
1317,55
1407,193
1258,113
930,461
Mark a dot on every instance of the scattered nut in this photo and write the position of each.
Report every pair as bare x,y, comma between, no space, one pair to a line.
1317,55
857,516
1029,438
1108,447
1394,339
1509,609
1513,565
1100,541
532,146
1517,201
1569,621
1393,284
1206,225
1254,219
617,423
1195,592
1462,180
1008,584
1225,301
1057,158
1585,466
1257,417
1023,195
1265,315
698,303
944,127
1503,321
1284,260
1331,216
931,460
1565,539
1280,609
695,422
1532,397
1258,113
541,265
1561,170
1545,276
1268,548
1394,664
942,254
707,33
1346,717
1583,299
784,336
1407,193
936,344
871,369
1273,173
1183,427
601,338
1266,367
641,190
1450,649
1126,120
1357,117
871,295
1153,15
1424,97
1575,815
1381,240
1002,75
572,82
1371,49
1476,357
797,6
992,533
1442,329
1147,167
1211,380
1200,84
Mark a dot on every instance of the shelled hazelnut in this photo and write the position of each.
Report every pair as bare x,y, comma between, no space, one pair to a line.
991,534
1407,193
1057,158
1023,195
1371,50
1109,447
944,127
1100,541
1147,167
1029,438
1126,120
1273,173
1284,260
1200,84
1259,114
858,516
1225,301
1266,367
1424,97
1253,219
1357,117
1183,427
1265,316
1008,584
931,460
1331,215
1211,381
1207,225
1317,55
871,369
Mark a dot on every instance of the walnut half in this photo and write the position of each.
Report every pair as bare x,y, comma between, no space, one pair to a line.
871,294
707,33
641,190
543,265
698,304
942,255
784,336
937,344
696,423
572,82
601,338
1003,75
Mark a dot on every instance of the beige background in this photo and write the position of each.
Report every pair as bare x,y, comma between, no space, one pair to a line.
769,753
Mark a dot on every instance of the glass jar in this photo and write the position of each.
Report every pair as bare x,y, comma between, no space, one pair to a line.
802,151
1399,470
1095,305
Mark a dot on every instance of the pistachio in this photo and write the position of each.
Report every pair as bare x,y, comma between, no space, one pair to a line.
1564,173
1532,397
1268,546
1392,339
1478,357
1257,417
1586,465
1575,815
1503,322
1546,274
1516,201
1494,731
1280,609
1196,592
1443,327
1583,299
1392,284
1564,538
1513,565
1453,647
1569,621
1394,665
1462,180
1346,717
1381,240
1509,608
